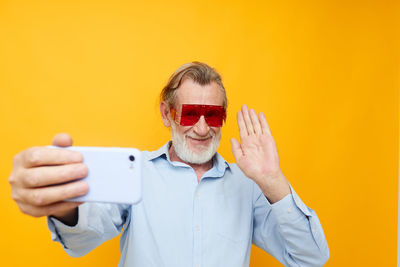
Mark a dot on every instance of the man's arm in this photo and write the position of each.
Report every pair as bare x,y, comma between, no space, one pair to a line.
289,230
97,223
283,225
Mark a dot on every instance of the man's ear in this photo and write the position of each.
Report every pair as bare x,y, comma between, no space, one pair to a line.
164,109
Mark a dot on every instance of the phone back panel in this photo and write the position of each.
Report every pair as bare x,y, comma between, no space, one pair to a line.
114,174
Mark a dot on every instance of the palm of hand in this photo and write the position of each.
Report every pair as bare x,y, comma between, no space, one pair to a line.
257,155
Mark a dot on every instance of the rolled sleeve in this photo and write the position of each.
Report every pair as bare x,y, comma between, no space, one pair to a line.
286,210
295,235
97,223
291,209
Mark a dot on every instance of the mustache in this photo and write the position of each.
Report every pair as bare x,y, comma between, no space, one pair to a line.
194,136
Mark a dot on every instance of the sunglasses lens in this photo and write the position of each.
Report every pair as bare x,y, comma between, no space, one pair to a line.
190,115
214,115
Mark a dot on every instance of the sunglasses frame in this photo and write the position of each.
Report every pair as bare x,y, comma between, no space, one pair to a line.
203,109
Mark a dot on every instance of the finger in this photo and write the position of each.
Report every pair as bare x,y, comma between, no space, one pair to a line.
255,121
44,156
247,120
49,209
44,196
50,175
236,149
242,125
62,140
264,124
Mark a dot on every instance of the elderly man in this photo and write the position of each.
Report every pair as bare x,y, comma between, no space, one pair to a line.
197,210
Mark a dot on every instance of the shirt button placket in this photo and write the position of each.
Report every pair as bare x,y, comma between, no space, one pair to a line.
196,229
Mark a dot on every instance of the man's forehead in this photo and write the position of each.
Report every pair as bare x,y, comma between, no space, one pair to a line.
190,92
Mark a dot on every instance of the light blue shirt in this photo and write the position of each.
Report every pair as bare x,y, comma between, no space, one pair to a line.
213,223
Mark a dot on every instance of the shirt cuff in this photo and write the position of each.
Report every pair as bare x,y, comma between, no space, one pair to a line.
290,208
57,228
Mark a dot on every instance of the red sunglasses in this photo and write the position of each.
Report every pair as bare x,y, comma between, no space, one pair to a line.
191,114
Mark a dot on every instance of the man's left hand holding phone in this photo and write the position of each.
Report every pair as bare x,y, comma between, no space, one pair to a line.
43,179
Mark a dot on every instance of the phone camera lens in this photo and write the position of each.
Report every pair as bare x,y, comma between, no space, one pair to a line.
131,158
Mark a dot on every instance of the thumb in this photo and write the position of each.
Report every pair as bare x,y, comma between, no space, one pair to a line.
236,149
62,139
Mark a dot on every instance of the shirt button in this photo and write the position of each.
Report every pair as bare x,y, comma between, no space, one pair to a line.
197,265
197,228
197,194
289,210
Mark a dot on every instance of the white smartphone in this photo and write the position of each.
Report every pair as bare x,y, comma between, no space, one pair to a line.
114,176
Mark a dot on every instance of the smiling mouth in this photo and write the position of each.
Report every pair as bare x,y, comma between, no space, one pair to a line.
199,139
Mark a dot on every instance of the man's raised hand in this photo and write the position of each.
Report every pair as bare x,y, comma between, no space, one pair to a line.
257,155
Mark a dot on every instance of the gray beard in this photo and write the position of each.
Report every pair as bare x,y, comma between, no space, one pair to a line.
185,154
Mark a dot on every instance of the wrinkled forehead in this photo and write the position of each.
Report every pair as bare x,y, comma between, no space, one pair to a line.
190,92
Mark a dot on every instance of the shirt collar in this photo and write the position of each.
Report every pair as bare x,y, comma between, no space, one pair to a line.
162,151
218,161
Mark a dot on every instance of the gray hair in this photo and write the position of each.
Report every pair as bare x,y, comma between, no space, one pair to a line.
199,72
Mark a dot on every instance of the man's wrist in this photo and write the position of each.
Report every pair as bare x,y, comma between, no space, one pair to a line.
274,188
69,218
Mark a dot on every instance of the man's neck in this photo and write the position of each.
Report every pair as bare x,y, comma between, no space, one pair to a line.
199,169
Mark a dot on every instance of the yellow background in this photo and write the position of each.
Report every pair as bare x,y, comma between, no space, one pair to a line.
326,74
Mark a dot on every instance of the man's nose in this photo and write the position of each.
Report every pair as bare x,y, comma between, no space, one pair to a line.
201,127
